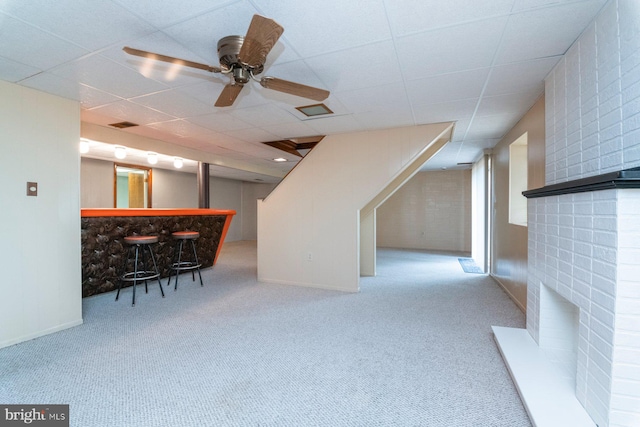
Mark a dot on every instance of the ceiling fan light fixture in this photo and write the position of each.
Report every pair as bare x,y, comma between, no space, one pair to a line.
314,110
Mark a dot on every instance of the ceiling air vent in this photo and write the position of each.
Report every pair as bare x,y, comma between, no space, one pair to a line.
296,146
123,125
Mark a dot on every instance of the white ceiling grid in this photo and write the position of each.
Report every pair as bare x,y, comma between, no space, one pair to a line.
387,63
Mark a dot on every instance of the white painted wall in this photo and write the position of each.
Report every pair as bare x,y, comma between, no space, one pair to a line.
227,194
308,227
96,183
174,189
251,193
40,291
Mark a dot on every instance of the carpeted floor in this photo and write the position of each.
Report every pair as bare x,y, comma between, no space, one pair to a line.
413,348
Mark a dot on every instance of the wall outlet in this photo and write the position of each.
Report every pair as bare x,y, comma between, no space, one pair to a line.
32,188
309,256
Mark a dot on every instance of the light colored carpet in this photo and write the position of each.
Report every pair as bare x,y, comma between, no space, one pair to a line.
413,348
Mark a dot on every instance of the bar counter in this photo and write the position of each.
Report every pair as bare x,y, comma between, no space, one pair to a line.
104,251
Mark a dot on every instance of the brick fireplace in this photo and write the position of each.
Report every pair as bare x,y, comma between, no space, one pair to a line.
583,296
583,293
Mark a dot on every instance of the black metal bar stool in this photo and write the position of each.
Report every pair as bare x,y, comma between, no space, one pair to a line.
140,245
190,262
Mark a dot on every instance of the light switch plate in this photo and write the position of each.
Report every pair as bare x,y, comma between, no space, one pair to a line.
32,188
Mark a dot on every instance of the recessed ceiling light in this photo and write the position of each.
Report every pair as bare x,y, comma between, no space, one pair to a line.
280,159
314,110
177,162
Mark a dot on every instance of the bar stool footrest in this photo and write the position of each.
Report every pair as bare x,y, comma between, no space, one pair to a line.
142,275
185,266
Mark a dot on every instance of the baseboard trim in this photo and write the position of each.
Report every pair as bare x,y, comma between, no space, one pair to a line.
42,333
513,298
308,285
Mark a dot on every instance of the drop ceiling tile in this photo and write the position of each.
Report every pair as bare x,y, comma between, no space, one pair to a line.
522,5
88,96
257,150
520,76
129,111
460,129
383,119
182,129
115,23
545,32
263,116
358,68
107,76
12,71
463,47
445,111
413,16
291,130
174,103
443,159
253,135
30,46
314,28
447,87
162,13
514,103
491,127
332,125
383,97
220,121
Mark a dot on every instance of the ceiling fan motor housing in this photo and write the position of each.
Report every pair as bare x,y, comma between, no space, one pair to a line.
228,51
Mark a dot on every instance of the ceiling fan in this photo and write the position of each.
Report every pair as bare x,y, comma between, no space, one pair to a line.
244,58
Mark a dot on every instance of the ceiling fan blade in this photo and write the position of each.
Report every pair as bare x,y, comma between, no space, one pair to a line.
170,59
228,95
262,35
294,88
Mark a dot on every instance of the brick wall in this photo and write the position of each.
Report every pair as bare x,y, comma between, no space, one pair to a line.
586,246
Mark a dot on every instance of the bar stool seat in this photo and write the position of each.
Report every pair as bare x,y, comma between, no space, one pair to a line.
190,263
141,247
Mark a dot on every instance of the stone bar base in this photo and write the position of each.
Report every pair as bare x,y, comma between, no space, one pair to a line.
104,230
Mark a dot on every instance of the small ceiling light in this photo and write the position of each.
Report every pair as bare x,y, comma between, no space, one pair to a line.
84,145
280,159
152,158
177,162
120,152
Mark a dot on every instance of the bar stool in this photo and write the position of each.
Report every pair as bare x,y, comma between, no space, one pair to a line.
139,245
179,265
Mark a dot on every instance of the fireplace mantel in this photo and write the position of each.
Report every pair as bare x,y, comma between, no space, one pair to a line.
627,178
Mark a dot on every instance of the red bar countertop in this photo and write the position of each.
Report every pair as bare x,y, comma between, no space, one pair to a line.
94,212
